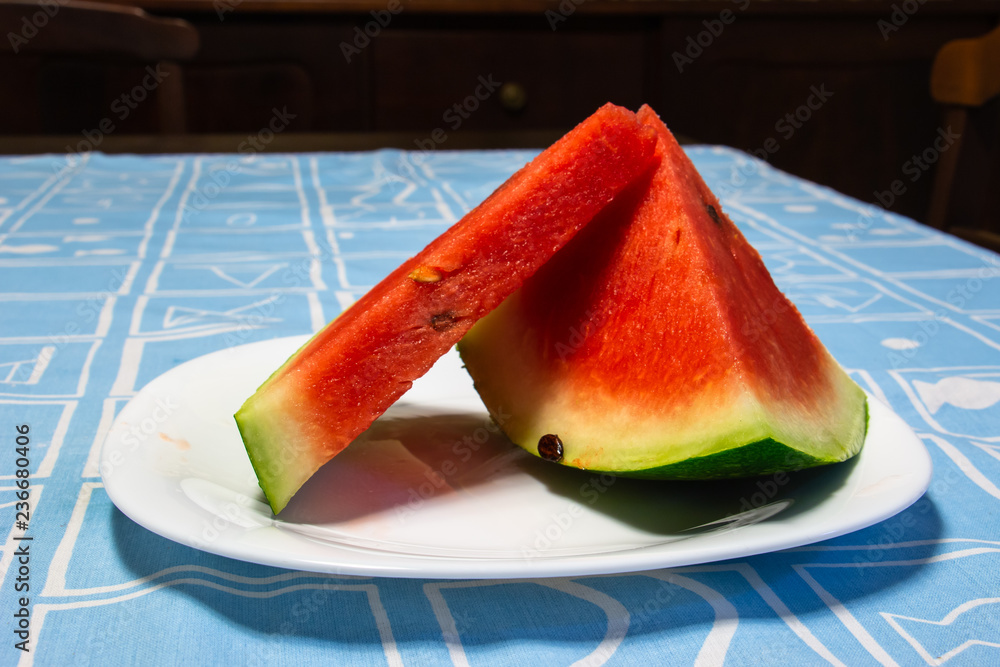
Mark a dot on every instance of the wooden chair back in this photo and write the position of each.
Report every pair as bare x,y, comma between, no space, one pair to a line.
101,31
965,80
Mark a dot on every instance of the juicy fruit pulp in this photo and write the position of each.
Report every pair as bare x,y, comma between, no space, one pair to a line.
349,373
656,344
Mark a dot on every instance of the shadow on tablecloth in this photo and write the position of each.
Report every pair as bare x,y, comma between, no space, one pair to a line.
271,608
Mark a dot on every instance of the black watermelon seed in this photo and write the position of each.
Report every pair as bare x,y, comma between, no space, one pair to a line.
550,447
443,321
713,213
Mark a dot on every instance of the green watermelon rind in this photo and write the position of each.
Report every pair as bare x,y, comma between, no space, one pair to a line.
729,456
266,468
764,457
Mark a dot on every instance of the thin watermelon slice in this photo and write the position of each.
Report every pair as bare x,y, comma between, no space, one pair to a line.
349,373
656,344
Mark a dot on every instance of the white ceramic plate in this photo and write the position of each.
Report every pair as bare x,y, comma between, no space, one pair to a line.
434,491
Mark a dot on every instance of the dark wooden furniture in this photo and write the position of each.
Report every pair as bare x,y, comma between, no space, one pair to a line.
832,90
39,36
965,80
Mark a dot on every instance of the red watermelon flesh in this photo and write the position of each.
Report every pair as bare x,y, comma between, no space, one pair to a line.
656,344
349,373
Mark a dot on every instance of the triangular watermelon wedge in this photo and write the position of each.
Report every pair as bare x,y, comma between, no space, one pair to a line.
655,344
349,373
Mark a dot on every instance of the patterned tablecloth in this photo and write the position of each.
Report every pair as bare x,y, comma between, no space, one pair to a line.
116,269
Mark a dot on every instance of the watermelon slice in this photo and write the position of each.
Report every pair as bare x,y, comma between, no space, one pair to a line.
349,373
657,345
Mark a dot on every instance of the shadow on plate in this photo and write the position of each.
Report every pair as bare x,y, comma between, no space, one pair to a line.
406,458
409,457
671,507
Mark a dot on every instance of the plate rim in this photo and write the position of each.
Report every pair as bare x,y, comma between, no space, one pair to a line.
410,565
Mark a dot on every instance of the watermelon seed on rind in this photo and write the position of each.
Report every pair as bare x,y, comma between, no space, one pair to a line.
550,447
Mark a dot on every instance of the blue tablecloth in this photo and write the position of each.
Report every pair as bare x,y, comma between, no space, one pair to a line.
116,269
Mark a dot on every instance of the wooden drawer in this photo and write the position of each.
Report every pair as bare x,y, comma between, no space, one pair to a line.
249,65
451,80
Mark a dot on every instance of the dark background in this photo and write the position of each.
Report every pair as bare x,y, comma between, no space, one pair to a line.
767,60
